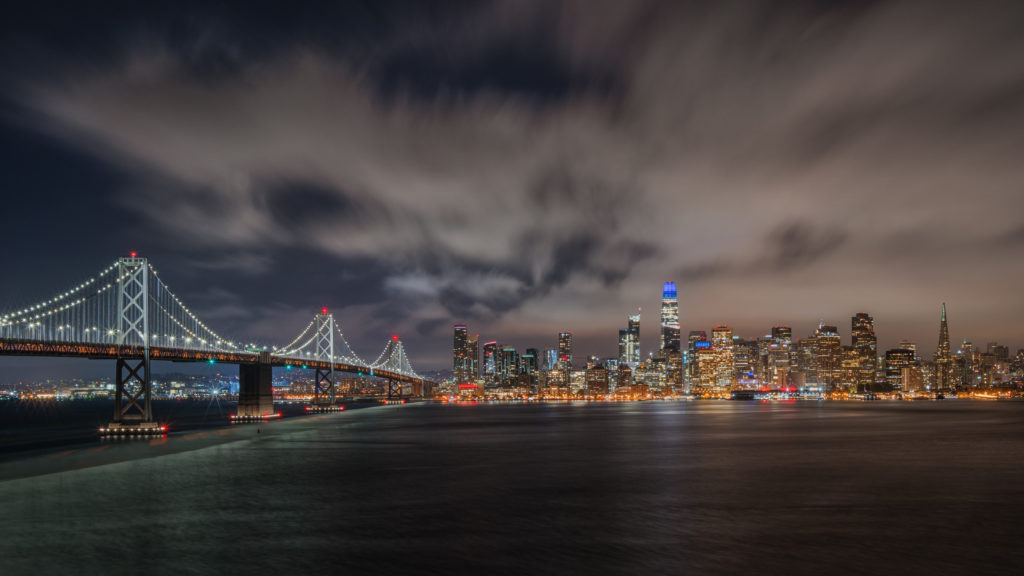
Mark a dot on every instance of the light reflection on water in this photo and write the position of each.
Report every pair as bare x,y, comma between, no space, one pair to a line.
697,487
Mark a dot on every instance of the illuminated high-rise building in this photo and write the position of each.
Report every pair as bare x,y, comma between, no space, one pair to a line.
899,364
943,357
550,359
491,359
629,341
508,366
827,356
865,344
531,361
460,354
473,352
746,368
565,351
669,319
779,356
692,365
722,344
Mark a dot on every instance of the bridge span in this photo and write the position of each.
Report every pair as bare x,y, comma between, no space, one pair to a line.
127,314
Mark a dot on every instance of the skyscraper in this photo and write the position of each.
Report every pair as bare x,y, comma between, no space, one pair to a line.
827,355
490,359
943,358
898,365
565,351
865,344
473,360
722,344
461,364
669,319
629,341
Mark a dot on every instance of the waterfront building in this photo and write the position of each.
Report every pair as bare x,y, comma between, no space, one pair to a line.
597,380
624,380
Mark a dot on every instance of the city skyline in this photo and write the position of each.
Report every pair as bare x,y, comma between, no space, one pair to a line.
411,166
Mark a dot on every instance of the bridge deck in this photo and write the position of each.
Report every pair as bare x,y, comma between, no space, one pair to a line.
9,347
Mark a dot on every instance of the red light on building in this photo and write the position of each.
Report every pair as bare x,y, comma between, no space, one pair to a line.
468,386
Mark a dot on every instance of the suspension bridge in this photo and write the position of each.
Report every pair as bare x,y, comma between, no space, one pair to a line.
127,313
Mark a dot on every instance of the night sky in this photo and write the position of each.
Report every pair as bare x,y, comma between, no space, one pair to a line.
524,167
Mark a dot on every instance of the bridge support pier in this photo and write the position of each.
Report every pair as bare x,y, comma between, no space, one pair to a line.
255,392
394,390
133,406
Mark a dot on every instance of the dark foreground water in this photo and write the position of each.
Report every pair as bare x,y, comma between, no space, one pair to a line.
642,488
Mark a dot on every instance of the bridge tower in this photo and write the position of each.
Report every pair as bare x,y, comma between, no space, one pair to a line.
133,410
323,394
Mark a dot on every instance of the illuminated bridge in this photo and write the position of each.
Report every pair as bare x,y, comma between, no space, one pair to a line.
126,313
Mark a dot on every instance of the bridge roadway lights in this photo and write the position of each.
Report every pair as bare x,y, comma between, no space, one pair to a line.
255,394
124,429
237,419
324,408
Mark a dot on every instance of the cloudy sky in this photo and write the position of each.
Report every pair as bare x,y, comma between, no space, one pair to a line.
525,167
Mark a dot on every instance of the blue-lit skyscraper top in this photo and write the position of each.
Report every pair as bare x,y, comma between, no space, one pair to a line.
669,320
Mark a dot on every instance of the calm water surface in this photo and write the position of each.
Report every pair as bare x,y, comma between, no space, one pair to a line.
642,488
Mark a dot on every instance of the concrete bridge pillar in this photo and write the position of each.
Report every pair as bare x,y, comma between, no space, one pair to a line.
255,394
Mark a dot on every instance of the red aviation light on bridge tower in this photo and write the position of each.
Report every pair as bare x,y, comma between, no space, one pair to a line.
133,254
324,310
395,337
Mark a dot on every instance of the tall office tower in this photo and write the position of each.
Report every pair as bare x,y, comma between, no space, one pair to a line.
490,359
473,350
943,358
722,344
692,366
531,361
629,341
865,344
803,350
669,319
624,379
745,361
967,362
509,365
827,355
779,355
550,359
898,365
460,354
565,351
